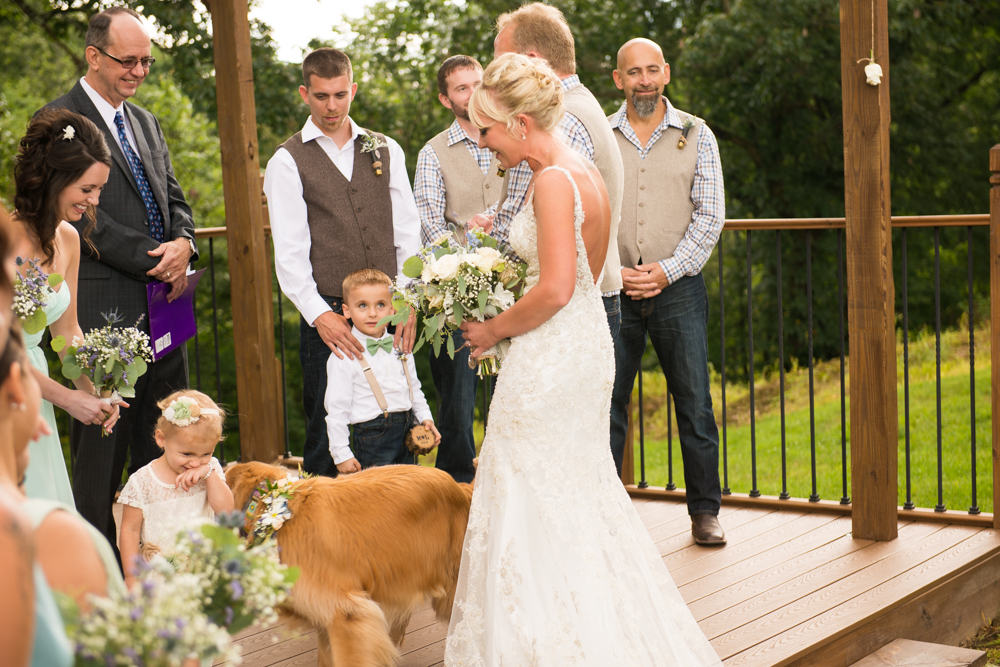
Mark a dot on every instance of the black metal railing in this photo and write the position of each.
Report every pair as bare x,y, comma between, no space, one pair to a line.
805,232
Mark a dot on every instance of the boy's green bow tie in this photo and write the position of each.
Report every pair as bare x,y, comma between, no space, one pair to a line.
380,344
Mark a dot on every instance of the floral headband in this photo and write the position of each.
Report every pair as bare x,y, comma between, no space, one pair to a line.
184,411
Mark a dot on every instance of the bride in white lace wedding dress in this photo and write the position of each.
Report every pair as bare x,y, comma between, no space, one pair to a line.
557,570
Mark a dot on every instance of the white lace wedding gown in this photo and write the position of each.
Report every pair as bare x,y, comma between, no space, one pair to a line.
557,569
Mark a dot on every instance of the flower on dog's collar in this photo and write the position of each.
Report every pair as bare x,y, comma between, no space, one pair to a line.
268,510
185,411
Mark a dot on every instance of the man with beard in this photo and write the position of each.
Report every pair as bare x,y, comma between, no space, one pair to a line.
672,212
455,181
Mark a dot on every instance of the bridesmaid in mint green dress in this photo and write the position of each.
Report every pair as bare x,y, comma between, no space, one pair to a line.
62,165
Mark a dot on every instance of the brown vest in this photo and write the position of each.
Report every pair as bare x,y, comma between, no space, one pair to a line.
467,191
607,158
350,222
656,205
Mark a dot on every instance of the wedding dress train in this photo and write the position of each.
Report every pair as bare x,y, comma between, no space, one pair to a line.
558,570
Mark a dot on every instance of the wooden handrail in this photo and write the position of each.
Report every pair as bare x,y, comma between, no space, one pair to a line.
216,232
973,220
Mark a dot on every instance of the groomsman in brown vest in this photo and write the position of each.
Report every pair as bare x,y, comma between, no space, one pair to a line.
339,200
540,31
672,212
456,181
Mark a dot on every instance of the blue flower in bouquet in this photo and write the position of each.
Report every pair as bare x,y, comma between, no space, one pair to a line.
32,290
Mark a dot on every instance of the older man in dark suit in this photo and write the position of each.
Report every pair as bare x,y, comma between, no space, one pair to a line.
144,232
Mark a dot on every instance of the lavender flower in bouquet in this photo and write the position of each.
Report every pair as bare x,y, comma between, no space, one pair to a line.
32,292
459,277
158,623
112,357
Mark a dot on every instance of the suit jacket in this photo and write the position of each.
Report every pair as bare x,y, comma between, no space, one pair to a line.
114,277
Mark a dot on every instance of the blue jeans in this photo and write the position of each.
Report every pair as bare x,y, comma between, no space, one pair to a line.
456,384
677,323
613,307
382,441
313,354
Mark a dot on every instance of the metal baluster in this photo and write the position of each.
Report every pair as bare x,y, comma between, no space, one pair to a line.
754,491
940,507
215,334
781,374
197,350
670,444
722,364
844,499
642,437
284,380
814,496
908,505
974,508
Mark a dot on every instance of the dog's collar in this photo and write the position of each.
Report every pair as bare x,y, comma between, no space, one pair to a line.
267,510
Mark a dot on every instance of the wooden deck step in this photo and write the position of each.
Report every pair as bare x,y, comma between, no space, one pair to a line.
921,654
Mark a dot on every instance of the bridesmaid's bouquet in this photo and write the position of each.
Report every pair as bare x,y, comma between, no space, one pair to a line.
112,357
459,277
32,292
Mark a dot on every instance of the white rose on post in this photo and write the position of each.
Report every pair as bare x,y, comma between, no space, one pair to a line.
873,71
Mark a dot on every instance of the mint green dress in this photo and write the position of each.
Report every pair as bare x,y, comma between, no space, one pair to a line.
46,476
50,647
37,509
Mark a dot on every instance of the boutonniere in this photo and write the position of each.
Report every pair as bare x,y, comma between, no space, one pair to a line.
682,142
370,144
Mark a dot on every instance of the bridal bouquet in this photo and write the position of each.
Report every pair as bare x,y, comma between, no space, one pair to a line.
459,277
31,294
112,357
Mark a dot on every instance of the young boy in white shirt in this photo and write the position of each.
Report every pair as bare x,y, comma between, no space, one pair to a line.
379,438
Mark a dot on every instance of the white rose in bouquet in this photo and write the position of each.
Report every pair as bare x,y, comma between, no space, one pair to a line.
445,267
502,298
488,258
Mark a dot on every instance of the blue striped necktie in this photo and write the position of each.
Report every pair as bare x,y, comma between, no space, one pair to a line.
139,172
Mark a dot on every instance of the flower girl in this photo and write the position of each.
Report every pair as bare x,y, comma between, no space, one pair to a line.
184,485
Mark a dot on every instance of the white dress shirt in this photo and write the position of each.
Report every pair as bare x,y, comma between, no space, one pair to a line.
289,217
108,114
349,397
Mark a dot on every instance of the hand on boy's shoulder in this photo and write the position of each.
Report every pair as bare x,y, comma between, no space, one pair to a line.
336,333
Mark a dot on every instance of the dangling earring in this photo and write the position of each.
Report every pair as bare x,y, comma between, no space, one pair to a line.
18,406
523,136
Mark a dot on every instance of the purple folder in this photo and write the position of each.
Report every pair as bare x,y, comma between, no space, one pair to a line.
171,324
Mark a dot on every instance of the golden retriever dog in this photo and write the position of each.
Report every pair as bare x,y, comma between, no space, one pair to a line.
371,547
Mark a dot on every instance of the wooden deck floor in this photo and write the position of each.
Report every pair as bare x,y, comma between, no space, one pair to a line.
790,588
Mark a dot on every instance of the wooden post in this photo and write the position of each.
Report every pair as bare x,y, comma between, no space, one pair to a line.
257,375
995,322
871,292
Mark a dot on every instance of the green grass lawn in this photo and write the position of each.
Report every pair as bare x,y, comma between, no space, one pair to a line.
956,441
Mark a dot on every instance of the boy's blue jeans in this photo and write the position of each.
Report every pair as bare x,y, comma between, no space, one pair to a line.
382,441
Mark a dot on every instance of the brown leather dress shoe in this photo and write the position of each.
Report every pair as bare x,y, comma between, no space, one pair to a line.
707,531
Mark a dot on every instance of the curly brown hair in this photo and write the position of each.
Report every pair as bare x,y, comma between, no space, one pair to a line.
47,163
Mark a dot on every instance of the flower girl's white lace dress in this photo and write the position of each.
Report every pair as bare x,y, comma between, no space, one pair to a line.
558,570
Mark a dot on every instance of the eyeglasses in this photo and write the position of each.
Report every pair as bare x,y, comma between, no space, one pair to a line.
130,63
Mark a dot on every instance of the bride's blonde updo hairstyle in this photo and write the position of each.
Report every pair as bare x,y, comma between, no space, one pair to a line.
514,84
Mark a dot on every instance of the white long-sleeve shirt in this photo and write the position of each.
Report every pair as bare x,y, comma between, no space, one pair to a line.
290,223
349,398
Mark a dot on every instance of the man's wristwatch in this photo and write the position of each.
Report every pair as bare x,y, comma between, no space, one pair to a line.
194,248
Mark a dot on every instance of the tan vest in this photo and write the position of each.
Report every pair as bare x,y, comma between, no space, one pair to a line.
467,192
656,205
350,222
607,158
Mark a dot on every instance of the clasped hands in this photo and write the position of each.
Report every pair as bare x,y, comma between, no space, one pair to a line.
174,259
644,281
